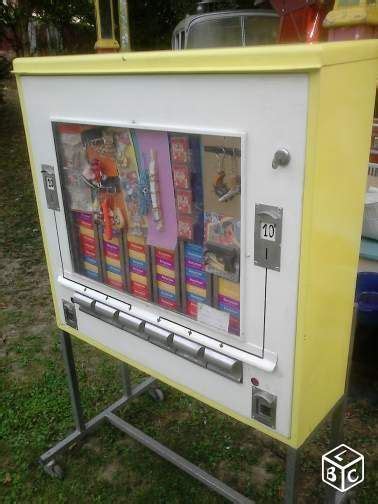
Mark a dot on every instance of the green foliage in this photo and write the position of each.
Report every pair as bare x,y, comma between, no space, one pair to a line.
14,19
16,16
62,13
152,21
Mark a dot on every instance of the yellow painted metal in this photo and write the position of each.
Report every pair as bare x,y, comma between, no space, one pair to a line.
102,43
338,137
342,78
362,13
106,44
283,58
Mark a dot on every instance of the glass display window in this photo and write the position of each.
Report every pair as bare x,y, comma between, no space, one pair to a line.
156,214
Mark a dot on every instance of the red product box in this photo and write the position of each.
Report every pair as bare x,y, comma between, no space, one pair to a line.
87,239
167,303
184,201
234,325
88,251
139,290
136,247
115,283
166,256
191,309
181,176
185,227
179,149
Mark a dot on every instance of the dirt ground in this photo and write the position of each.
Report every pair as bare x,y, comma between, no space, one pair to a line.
34,404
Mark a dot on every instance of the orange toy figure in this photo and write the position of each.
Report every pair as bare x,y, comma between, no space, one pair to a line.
106,216
104,157
219,185
103,175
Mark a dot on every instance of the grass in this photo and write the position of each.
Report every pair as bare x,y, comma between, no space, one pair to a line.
35,410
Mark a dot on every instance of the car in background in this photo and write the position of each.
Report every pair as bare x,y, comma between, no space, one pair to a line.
228,28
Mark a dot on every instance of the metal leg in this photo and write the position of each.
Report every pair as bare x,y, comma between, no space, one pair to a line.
333,496
47,460
337,423
73,385
95,422
293,457
338,414
82,428
126,382
337,419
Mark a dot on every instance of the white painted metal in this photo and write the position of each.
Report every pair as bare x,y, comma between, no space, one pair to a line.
196,103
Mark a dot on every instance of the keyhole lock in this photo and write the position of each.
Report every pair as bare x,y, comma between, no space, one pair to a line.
281,158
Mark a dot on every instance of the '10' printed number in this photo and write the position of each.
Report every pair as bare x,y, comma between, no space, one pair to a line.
268,231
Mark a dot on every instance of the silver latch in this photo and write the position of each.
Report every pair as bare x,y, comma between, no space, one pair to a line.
281,158
49,183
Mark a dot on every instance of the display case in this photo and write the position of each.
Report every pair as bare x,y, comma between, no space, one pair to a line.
155,214
201,214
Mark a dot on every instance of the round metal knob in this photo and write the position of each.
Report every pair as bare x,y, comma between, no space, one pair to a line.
281,158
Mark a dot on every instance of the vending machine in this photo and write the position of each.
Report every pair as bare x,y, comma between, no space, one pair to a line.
201,214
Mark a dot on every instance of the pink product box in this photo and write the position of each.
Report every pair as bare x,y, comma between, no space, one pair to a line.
167,303
138,271
196,282
166,279
84,217
165,263
232,303
195,265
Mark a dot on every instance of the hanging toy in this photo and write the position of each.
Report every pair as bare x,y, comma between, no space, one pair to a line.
119,216
153,172
220,188
144,194
107,217
235,181
92,174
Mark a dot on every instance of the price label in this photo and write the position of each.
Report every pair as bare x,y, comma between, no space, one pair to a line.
268,231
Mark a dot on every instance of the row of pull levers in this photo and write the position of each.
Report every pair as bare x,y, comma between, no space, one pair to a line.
190,350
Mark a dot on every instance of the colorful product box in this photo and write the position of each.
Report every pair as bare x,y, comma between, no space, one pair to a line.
181,168
166,278
185,227
196,279
87,244
184,201
180,149
181,176
138,267
228,300
112,263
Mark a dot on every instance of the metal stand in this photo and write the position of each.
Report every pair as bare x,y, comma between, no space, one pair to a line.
337,420
47,460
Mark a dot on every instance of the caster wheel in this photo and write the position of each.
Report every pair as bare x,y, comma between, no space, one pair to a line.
156,394
53,469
